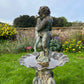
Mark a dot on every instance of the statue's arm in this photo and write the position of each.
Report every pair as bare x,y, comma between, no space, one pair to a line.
38,22
43,22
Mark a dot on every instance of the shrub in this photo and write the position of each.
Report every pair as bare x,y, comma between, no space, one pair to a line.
55,44
61,22
72,46
25,21
7,31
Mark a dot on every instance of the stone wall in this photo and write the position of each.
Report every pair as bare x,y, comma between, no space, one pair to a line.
30,32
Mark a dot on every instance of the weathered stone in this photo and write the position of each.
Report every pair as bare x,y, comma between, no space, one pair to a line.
56,59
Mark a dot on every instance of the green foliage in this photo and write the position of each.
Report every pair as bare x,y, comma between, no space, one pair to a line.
24,21
60,22
68,24
55,45
77,23
72,46
30,21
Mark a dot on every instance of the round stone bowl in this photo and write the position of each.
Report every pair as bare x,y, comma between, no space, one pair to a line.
56,59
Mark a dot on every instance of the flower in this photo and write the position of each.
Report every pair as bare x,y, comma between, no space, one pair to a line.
7,30
76,45
29,47
79,42
66,42
70,47
63,45
73,49
79,51
67,48
74,39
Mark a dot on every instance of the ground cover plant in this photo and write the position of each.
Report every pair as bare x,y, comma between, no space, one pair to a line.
11,72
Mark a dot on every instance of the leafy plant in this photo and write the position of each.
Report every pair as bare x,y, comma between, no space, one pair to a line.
55,44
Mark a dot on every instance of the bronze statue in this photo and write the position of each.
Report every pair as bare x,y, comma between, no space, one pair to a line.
42,30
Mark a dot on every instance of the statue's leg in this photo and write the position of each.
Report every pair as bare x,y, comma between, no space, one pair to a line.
51,81
48,45
44,43
36,44
48,42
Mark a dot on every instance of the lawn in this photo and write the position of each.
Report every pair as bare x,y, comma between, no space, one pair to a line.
11,72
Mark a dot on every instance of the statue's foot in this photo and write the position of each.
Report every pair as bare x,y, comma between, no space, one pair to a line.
43,60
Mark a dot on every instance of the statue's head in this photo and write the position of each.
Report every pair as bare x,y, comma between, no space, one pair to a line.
44,11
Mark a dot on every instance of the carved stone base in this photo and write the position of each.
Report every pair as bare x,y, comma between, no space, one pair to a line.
44,77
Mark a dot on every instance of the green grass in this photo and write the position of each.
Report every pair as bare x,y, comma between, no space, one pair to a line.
11,72
72,72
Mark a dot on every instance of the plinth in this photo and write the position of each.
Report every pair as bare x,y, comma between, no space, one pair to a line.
44,74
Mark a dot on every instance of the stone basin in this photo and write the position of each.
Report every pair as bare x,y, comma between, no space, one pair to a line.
56,59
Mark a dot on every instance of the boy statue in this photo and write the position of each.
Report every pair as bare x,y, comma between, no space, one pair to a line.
42,30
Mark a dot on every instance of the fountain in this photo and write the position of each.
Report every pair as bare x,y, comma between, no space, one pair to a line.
45,60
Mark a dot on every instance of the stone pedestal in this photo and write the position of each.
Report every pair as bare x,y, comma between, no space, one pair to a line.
44,77
44,74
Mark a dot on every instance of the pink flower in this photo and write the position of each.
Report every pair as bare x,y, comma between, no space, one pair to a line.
29,47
